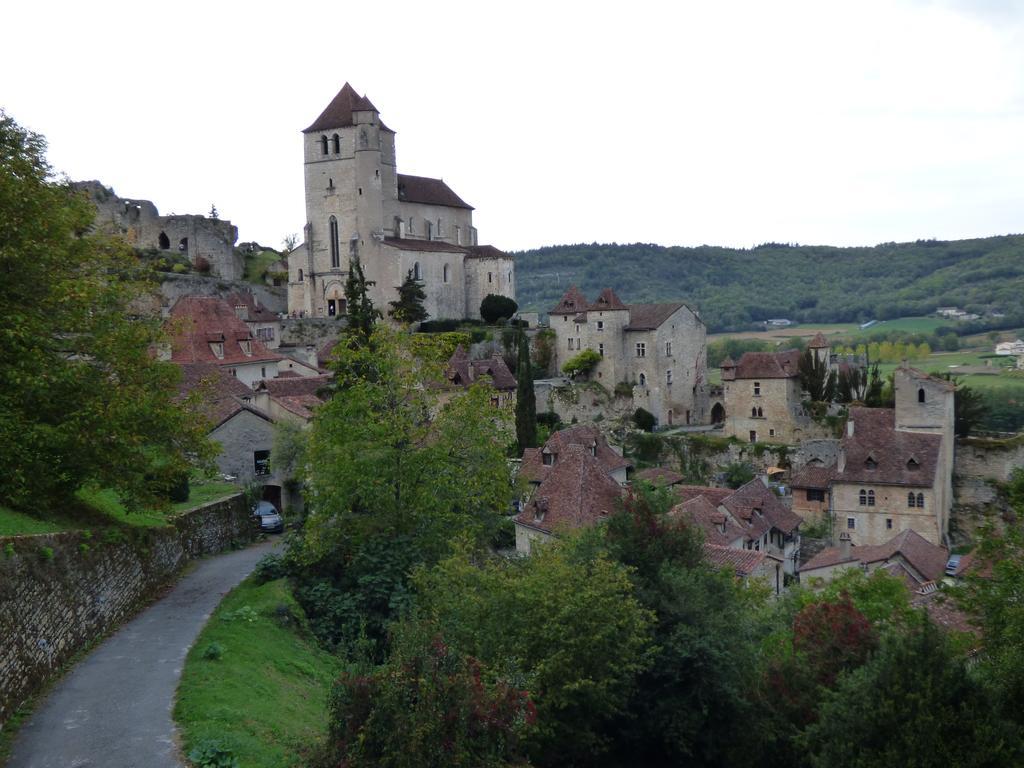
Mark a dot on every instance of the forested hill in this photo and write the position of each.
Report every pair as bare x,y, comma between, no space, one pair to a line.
734,288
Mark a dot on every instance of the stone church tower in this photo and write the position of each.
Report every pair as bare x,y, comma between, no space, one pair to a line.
358,205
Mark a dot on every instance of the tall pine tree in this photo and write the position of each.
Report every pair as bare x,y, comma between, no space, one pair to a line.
526,401
409,307
361,313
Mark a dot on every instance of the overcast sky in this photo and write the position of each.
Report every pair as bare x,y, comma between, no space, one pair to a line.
727,123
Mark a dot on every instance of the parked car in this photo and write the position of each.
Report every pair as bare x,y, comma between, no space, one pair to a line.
270,519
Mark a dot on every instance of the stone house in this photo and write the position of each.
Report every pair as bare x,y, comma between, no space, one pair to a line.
811,486
292,398
658,349
576,492
358,205
207,329
751,517
906,555
463,372
200,239
537,463
748,566
764,398
264,324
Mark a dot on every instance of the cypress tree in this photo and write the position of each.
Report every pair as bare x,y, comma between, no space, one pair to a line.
409,307
526,401
361,313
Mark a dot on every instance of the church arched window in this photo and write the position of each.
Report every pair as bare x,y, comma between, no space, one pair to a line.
416,271
643,380
335,253
446,273
911,500
164,241
337,143
920,395
323,145
920,501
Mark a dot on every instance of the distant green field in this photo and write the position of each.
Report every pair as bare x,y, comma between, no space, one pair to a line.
908,324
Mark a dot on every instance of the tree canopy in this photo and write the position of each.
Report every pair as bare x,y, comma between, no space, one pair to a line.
82,398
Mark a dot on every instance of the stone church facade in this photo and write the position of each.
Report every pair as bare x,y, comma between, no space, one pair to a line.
359,205
660,349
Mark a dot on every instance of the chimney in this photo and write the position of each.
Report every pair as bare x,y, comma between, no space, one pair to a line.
844,545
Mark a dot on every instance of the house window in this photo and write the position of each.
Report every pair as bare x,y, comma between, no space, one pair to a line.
851,523
265,334
920,395
863,497
911,500
300,275
217,348
570,344
753,413
757,389
600,349
261,462
888,523
335,252
920,501
753,435
668,349
600,325
815,494
641,349
668,377
246,346
263,372
490,277
771,433
871,498
643,380
445,273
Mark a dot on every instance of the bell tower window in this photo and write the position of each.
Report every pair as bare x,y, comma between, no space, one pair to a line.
337,144
335,253
323,145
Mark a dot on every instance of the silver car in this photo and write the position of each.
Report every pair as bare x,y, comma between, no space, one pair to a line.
270,519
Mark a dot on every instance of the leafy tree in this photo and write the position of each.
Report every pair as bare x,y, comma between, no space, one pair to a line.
409,306
815,377
565,620
392,474
738,473
494,307
544,351
82,401
526,399
914,703
427,706
362,315
582,364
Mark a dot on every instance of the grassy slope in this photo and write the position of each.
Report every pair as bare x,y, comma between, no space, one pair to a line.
265,698
19,524
257,264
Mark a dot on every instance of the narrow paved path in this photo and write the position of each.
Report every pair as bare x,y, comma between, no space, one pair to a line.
113,710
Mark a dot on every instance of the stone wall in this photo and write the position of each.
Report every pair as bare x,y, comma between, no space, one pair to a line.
61,592
173,287
980,467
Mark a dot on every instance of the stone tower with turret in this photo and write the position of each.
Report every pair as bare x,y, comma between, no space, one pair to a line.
358,205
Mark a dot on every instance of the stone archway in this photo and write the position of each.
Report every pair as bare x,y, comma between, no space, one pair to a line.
717,413
334,298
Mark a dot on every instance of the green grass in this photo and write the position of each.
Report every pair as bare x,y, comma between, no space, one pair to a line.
257,264
266,697
19,524
106,503
203,493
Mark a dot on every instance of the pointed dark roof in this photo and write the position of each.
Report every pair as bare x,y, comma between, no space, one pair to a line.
607,300
819,342
572,302
423,189
338,113
647,317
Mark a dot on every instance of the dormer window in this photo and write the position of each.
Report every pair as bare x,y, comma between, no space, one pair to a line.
593,449
913,465
870,463
217,347
246,346
548,458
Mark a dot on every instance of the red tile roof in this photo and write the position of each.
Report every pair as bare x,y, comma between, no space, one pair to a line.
943,610
577,492
703,513
879,453
753,508
423,189
572,302
647,317
768,365
585,436
607,301
659,476
296,386
715,495
813,477
220,393
925,558
338,113
197,322
742,562
819,342
755,497
463,372
255,312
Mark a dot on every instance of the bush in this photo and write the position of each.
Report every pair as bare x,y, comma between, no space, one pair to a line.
582,364
644,420
505,535
494,308
270,568
212,754
738,473
213,652
179,490
549,419
624,389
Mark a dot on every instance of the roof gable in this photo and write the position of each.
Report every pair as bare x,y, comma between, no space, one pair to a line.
572,302
338,114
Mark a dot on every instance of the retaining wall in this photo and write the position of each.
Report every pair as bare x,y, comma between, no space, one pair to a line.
61,592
